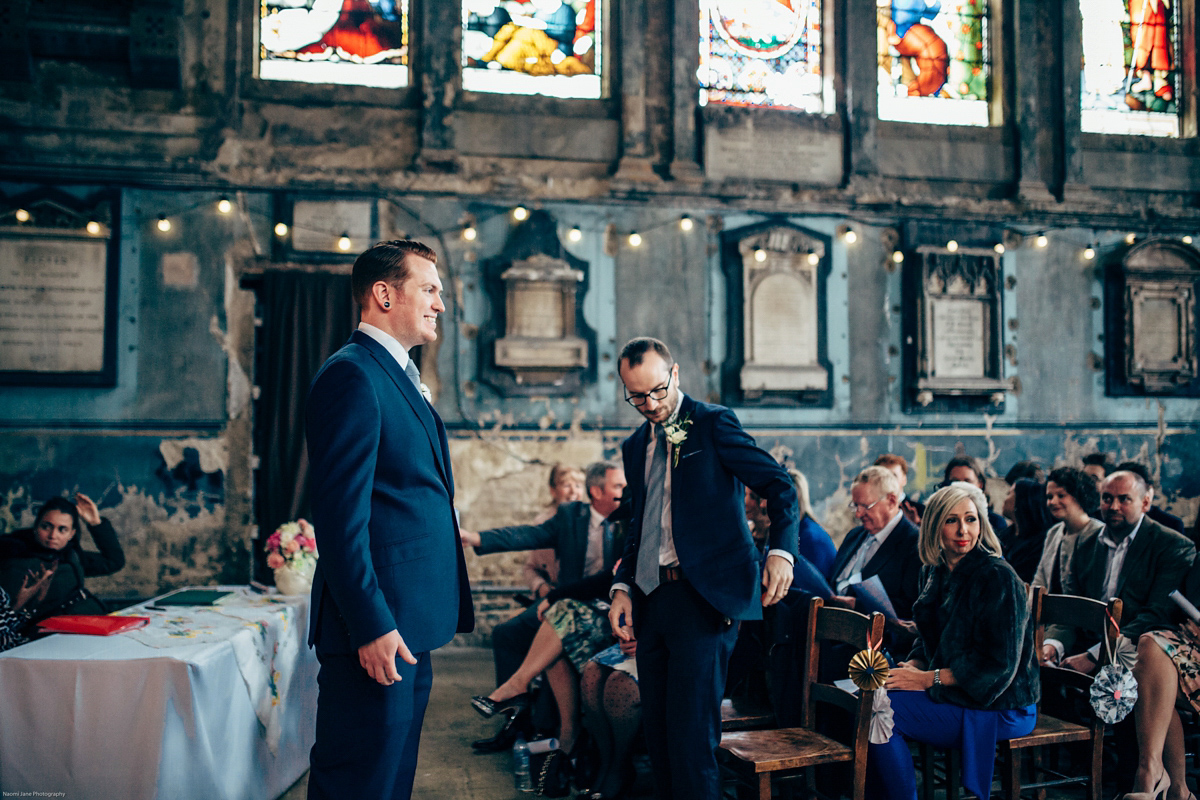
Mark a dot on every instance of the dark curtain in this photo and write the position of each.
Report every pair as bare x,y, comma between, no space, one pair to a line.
306,318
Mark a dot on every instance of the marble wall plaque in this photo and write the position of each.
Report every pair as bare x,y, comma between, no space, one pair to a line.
958,338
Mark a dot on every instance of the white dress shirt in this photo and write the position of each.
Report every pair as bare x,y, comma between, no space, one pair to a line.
388,341
593,560
852,572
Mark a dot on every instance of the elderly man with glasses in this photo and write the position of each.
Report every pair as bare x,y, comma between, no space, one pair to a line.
883,544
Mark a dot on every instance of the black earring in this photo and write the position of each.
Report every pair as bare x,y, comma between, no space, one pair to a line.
386,304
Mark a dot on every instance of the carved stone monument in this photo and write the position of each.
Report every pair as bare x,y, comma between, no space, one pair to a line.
539,344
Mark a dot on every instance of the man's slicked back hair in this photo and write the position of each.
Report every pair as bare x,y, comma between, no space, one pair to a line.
636,350
387,262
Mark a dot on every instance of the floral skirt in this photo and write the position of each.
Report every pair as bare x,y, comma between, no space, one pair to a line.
584,630
1186,655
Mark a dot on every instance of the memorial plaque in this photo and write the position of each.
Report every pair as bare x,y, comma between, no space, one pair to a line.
958,338
53,298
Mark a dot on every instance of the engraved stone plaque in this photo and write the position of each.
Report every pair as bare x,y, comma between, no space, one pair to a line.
958,338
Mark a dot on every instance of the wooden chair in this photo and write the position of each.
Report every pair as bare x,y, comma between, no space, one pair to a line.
1091,616
745,715
784,752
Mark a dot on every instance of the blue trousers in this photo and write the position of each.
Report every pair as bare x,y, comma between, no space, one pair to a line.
890,774
683,647
367,733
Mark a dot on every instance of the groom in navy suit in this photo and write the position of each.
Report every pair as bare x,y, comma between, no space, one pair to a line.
690,568
391,584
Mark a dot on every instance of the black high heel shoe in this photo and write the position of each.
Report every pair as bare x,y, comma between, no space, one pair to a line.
504,738
490,708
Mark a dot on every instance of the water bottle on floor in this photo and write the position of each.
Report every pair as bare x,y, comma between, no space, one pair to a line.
521,775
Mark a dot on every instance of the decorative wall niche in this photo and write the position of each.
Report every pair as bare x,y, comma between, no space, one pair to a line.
537,342
1150,320
776,287
953,338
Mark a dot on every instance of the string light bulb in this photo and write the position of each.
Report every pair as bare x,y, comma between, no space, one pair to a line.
686,223
164,224
1041,240
344,242
520,213
224,206
635,239
1089,253
849,237
760,255
813,259
1187,239
952,246
281,229
575,235
93,227
1130,238
22,215
999,248
897,257
470,233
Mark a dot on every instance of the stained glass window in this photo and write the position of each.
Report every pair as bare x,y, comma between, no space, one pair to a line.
764,53
934,61
358,42
1130,67
546,47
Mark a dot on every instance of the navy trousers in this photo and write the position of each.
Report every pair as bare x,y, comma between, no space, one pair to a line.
367,733
683,648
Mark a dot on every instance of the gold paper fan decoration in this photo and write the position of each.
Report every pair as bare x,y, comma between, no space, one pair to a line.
868,669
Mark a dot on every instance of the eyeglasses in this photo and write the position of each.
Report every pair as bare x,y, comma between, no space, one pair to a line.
638,399
857,507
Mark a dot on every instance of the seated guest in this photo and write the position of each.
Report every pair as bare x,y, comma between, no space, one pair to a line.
53,542
584,541
814,544
1133,558
1073,500
612,714
1029,470
1024,540
14,613
541,570
965,468
899,465
1098,466
883,544
972,676
1164,518
1168,675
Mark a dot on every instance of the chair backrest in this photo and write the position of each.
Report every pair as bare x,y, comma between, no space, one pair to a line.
1093,617
828,626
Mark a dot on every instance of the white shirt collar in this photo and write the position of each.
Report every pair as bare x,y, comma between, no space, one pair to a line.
887,529
596,519
388,341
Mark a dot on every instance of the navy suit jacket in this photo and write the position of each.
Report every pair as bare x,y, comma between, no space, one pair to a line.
708,511
897,563
383,508
566,532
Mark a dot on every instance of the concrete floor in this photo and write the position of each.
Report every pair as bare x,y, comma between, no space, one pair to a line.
448,768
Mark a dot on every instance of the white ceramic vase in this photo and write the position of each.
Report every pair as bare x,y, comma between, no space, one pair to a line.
293,581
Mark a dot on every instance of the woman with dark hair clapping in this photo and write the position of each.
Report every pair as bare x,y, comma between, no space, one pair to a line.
972,675
53,543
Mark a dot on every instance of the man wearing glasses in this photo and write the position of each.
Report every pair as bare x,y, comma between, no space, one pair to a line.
883,544
690,567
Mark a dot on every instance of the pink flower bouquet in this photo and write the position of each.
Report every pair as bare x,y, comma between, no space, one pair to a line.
293,545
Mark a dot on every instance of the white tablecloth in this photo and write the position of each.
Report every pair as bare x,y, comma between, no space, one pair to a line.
113,717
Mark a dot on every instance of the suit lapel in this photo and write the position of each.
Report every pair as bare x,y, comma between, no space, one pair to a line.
1136,553
848,549
420,407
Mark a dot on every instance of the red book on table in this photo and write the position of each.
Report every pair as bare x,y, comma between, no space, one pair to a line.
93,624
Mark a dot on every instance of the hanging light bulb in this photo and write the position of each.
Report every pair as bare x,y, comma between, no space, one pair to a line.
520,213
760,255
575,235
22,215
1041,240
1130,238
281,229
686,223
635,239
952,246
1187,239
469,233
164,224
93,227
850,237
224,206
344,242
897,257
813,259
1089,253
999,248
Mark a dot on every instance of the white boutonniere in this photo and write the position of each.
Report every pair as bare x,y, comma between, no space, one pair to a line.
428,395
677,433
